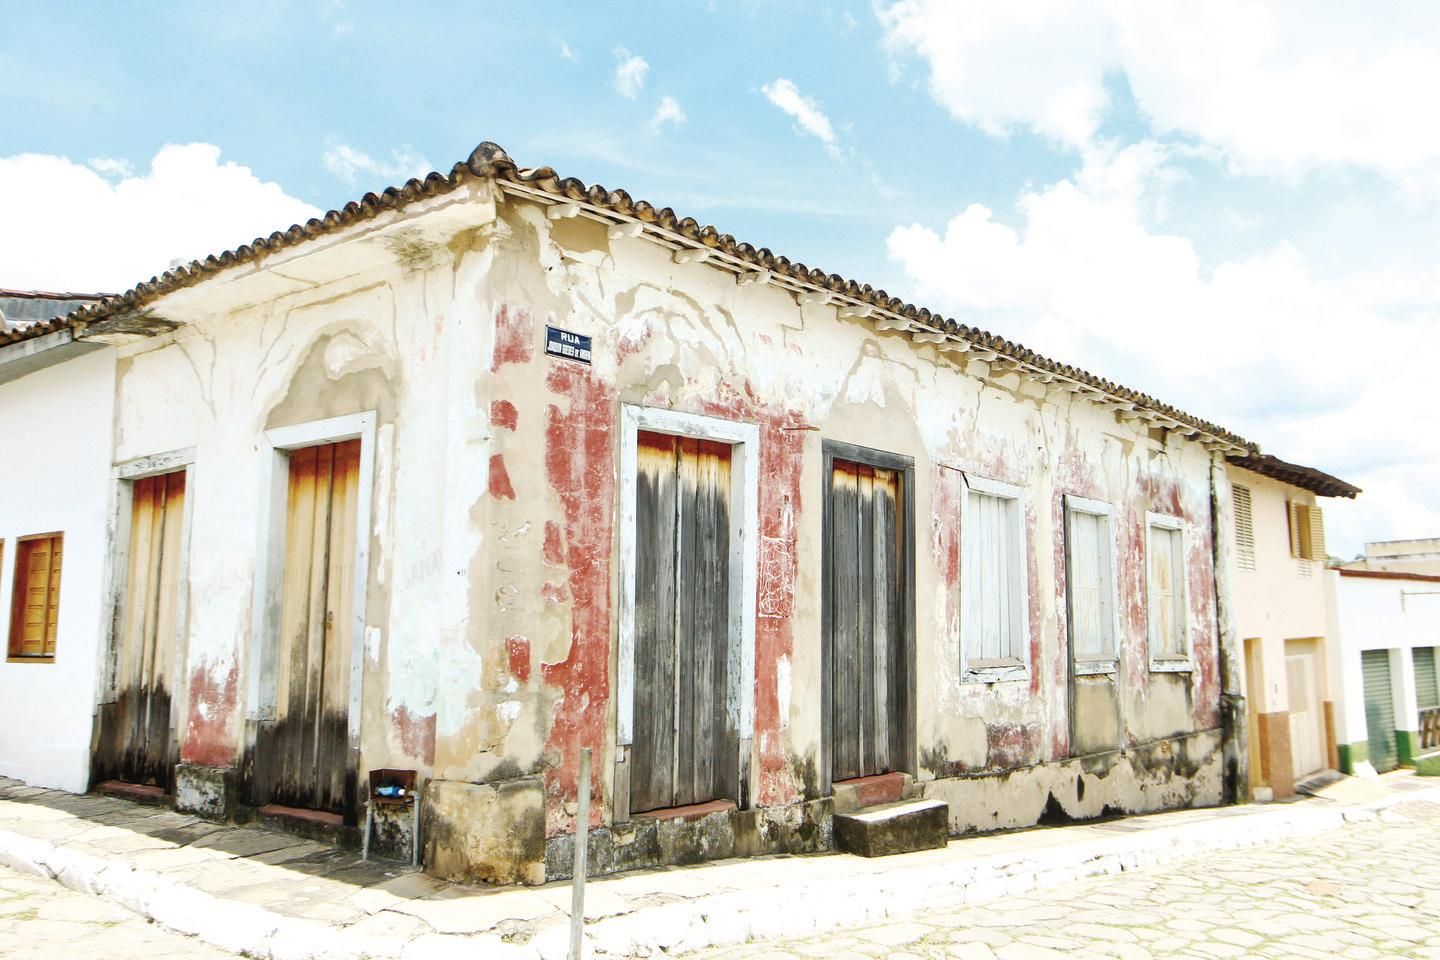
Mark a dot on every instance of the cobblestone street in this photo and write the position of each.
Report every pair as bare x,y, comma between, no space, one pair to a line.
1370,891
41,920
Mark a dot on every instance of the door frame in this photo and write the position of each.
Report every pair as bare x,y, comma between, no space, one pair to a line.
276,447
1106,666
122,500
832,450
744,441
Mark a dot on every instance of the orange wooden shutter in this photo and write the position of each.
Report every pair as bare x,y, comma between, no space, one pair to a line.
35,607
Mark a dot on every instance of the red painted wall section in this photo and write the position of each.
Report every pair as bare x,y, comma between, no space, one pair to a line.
514,336
554,548
580,442
517,655
414,734
207,725
500,486
503,414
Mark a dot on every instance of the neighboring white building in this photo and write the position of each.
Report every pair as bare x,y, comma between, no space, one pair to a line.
1388,713
57,409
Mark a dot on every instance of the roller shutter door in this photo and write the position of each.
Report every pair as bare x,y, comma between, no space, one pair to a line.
1379,709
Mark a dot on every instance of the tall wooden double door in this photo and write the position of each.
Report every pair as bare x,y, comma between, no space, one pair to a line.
302,755
136,738
867,655
685,747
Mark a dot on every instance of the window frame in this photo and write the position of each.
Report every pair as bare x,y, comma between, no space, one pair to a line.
997,669
17,598
1094,666
1162,663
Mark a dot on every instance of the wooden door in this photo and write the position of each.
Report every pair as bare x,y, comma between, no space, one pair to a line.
1307,732
868,668
137,742
302,754
685,748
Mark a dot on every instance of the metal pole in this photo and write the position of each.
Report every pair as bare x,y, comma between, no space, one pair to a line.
582,843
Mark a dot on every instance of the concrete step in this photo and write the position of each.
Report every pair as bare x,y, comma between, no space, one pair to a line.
901,827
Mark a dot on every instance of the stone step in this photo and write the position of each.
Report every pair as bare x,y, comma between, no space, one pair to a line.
901,827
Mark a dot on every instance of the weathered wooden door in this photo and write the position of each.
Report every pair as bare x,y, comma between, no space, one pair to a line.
686,747
868,668
302,754
136,741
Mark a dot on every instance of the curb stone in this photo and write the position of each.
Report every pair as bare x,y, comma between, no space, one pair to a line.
717,919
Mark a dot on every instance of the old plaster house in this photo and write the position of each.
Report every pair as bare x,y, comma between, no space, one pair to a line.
493,467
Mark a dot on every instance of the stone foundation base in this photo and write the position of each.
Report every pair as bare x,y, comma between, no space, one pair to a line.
645,842
1185,771
485,832
206,792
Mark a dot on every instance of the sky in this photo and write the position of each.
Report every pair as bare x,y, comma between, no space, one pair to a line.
1233,206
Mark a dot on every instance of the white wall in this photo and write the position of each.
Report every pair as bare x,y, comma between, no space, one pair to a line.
55,469
1372,614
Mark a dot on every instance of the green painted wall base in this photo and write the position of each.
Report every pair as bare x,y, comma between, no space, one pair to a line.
1407,745
1428,764
1352,754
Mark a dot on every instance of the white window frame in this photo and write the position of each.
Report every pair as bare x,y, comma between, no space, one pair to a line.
1184,662
744,440
974,670
276,446
1090,666
122,500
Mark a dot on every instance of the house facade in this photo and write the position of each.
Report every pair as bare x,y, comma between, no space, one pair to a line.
1284,602
56,401
485,471
1389,623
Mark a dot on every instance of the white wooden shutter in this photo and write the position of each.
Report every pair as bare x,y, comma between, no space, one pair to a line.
1244,529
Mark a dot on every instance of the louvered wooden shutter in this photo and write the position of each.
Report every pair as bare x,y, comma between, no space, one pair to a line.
1292,513
35,612
1317,533
1244,529
1427,690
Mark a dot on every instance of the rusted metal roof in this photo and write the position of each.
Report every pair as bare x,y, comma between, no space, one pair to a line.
693,240
1307,478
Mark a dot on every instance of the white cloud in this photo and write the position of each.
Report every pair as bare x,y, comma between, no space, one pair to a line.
567,53
1281,88
350,165
111,166
69,228
807,113
668,111
1333,371
630,73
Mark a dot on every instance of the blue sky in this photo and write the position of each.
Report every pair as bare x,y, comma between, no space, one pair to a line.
1226,206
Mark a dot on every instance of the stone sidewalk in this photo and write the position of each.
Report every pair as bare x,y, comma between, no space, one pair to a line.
265,894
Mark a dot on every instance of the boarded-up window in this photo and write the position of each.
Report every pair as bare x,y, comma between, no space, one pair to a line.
992,599
1089,550
1166,585
35,602
685,743
1244,529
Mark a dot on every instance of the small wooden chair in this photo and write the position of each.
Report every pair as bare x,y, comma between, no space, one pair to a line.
399,791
